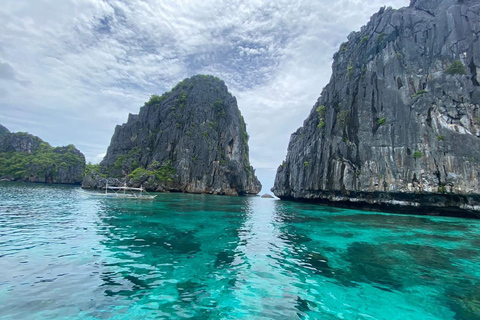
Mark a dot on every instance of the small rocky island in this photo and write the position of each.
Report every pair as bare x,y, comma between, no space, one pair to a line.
25,157
398,126
191,139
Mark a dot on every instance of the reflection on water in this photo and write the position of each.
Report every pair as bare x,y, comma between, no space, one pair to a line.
65,256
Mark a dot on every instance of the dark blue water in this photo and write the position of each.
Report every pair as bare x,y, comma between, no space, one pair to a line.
66,256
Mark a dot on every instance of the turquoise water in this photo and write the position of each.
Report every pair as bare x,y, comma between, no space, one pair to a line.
66,256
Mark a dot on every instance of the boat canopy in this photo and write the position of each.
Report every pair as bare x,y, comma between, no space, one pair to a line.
126,188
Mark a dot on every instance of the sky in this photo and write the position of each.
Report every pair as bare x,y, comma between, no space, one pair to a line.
71,70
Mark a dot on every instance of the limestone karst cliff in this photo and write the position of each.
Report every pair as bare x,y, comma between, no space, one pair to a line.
398,125
25,157
191,139
3,130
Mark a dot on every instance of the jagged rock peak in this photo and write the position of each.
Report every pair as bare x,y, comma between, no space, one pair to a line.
191,139
398,125
435,6
3,130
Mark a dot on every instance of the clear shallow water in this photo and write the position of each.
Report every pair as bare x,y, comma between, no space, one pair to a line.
65,256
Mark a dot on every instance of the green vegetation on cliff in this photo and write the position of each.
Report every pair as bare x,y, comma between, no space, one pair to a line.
45,163
161,173
456,67
90,167
25,157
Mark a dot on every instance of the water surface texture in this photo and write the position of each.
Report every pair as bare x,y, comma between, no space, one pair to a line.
66,256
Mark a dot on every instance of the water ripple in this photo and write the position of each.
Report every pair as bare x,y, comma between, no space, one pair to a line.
65,256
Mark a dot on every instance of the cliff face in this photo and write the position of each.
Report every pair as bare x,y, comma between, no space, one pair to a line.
191,139
399,122
3,130
25,157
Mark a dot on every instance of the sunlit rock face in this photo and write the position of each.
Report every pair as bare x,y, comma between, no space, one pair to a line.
191,139
398,125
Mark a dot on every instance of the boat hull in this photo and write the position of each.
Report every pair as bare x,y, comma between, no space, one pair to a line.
117,196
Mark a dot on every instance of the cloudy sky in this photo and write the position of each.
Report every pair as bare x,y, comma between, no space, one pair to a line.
70,70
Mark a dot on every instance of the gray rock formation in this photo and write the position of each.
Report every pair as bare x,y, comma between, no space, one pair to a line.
191,139
25,157
20,142
398,126
3,130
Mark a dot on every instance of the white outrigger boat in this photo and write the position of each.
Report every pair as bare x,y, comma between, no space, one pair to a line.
122,193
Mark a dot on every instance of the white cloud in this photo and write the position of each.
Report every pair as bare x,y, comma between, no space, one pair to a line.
98,157
88,63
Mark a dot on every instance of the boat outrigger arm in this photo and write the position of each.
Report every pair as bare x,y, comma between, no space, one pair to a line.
116,193
128,192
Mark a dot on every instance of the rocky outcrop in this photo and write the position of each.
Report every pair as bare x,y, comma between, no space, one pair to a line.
3,130
398,126
191,139
20,142
25,157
